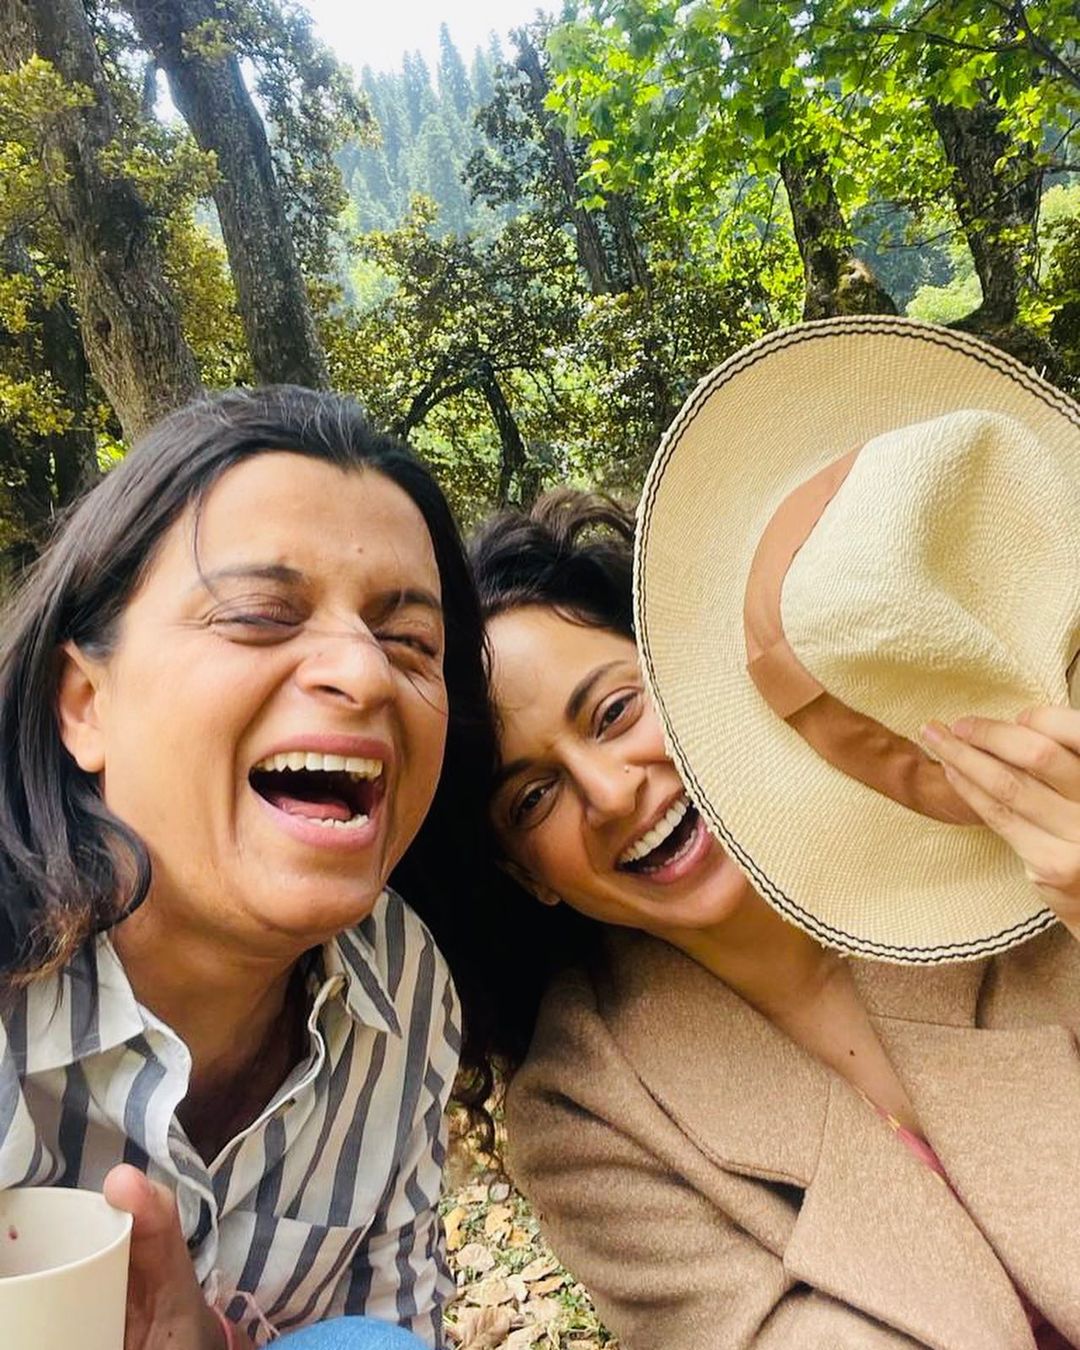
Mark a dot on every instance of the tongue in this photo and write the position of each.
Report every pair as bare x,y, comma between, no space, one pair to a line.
313,808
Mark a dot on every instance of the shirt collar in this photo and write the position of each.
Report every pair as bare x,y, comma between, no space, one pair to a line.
356,955
89,1007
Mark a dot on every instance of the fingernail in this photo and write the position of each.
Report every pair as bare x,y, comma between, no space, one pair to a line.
963,727
1025,717
933,732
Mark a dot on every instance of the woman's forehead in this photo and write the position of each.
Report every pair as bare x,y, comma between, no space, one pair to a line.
281,508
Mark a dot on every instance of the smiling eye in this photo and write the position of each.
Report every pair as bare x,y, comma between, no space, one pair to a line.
266,624
526,808
617,711
412,642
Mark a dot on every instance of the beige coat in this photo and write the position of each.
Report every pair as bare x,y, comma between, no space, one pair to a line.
715,1186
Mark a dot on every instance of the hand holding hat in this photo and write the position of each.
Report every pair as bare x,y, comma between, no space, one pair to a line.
853,529
1022,778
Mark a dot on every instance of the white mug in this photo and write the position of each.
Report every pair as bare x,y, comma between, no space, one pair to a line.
63,1270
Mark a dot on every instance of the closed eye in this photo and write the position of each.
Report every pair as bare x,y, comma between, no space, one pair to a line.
255,625
413,641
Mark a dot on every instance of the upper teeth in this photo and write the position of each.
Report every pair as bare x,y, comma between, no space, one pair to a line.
659,832
313,762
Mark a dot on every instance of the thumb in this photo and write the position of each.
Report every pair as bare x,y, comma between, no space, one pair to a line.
155,1229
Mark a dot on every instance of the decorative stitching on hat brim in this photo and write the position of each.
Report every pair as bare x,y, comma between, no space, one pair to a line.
1001,364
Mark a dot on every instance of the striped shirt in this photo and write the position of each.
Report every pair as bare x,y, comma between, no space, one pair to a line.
326,1203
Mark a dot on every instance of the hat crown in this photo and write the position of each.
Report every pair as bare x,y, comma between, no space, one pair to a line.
906,601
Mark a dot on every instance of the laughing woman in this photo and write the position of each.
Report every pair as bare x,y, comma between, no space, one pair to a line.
738,1127
226,695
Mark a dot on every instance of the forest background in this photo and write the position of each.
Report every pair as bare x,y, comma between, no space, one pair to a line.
523,260
520,261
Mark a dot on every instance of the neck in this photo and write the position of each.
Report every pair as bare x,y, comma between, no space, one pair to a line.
774,966
223,1002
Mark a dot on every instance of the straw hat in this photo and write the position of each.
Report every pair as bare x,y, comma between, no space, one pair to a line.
852,527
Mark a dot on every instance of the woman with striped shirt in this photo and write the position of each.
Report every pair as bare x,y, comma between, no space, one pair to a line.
226,695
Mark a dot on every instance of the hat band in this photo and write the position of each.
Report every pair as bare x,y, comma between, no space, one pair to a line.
857,745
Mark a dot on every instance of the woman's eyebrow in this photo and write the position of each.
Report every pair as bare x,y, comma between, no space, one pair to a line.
384,604
285,576
584,687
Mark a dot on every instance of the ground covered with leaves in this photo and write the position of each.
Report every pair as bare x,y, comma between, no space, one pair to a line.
512,1293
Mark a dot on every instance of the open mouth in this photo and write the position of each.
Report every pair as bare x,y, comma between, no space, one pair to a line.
337,791
672,836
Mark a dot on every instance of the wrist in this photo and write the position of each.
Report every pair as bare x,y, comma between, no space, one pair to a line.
224,1335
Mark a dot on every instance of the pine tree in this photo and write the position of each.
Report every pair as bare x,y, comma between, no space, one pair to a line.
437,174
416,87
483,81
454,86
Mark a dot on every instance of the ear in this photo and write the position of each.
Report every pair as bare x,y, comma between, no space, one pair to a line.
78,701
527,882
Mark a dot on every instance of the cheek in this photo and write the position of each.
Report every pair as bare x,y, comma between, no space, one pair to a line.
427,746
553,852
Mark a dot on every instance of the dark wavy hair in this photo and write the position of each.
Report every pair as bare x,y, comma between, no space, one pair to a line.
68,867
571,552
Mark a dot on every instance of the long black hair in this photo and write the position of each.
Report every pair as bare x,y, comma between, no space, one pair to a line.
68,867
573,553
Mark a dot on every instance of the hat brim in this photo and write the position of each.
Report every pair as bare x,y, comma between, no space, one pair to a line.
857,870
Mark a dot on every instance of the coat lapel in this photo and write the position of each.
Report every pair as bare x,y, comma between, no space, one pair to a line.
1000,1102
877,1229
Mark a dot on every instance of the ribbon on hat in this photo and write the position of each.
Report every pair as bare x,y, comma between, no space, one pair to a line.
857,745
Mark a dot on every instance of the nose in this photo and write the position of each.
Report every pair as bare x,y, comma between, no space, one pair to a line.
609,787
347,666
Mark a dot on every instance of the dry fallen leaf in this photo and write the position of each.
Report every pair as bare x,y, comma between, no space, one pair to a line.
542,1310
483,1328
519,1237
522,1339
497,1220
536,1270
452,1224
490,1292
475,1256
548,1286
499,1191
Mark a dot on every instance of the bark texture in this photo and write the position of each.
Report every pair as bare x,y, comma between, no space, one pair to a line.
998,220
128,319
836,281
591,252
208,88
44,473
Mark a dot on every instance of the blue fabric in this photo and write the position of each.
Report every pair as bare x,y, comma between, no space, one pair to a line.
352,1333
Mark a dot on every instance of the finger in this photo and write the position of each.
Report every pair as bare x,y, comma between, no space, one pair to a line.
165,1303
150,1204
1027,748
1059,724
1013,792
1049,863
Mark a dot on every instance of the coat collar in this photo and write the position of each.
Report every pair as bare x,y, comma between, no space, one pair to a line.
924,1265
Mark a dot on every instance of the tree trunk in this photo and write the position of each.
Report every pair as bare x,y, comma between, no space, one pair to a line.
836,281
209,90
635,268
998,220
43,473
129,320
590,247
513,453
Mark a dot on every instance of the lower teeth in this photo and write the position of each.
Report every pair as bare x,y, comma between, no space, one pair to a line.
343,824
